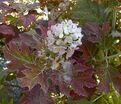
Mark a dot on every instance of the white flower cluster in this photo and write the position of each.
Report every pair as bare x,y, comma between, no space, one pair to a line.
64,38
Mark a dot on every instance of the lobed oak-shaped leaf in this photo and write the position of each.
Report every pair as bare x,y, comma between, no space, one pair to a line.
86,52
19,55
83,80
30,79
36,96
34,77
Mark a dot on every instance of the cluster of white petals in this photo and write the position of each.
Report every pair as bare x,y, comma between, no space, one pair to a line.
64,38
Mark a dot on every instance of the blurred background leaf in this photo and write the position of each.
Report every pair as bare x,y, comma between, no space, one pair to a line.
88,11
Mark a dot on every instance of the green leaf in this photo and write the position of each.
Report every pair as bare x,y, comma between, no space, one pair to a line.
82,101
87,11
11,19
112,97
6,101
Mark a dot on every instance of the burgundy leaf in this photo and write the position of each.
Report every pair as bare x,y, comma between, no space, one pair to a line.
79,67
19,55
44,25
27,39
30,79
59,83
43,81
15,65
27,20
85,52
91,32
82,80
75,96
36,96
7,30
64,88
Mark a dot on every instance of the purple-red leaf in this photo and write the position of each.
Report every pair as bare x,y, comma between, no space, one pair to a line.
59,84
36,96
83,80
30,79
91,32
27,20
27,39
6,30
82,77
44,25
